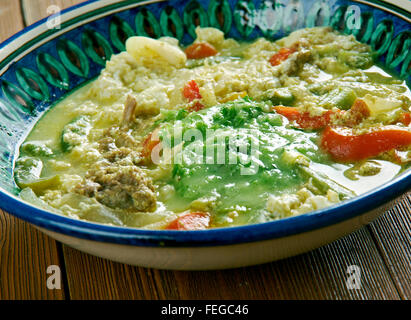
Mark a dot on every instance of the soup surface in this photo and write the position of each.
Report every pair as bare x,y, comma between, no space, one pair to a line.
220,133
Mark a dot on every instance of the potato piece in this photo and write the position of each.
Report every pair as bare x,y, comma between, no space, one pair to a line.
210,35
143,47
379,105
29,196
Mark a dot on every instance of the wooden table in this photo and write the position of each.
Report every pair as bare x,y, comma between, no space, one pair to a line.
382,250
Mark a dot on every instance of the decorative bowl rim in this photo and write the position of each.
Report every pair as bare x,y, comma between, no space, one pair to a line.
318,219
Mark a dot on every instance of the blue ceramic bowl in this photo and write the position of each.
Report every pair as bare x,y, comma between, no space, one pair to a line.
40,65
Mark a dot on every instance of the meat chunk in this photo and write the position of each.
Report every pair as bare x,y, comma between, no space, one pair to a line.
293,65
122,156
122,187
116,137
118,147
129,109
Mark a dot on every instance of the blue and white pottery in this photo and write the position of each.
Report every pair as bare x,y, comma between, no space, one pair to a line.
46,61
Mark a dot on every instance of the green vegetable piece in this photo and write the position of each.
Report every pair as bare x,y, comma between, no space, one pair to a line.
42,184
75,133
356,60
364,169
328,49
324,183
27,174
383,79
194,63
320,88
272,119
342,98
36,149
27,169
29,196
181,114
282,96
170,116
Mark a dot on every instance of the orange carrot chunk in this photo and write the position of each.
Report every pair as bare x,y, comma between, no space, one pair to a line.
281,56
305,120
344,146
200,50
191,221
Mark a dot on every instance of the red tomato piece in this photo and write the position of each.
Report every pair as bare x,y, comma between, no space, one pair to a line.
149,144
191,91
344,146
200,50
314,123
290,113
281,56
405,118
197,106
191,221
358,112
360,107
305,120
